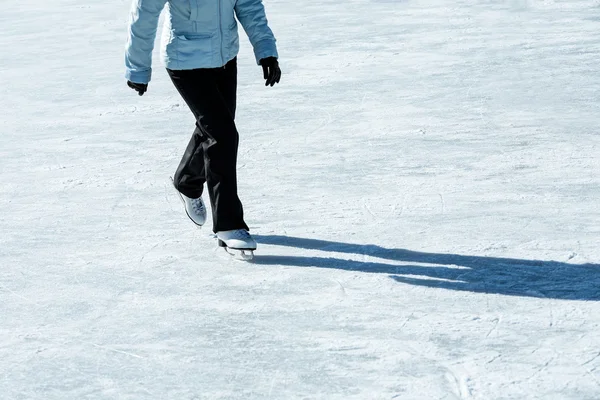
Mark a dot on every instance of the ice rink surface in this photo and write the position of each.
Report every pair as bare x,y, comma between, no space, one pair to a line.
424,185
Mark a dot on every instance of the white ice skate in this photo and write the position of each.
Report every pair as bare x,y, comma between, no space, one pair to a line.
194,208
238,240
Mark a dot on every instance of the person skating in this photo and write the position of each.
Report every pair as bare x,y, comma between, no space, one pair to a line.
199,48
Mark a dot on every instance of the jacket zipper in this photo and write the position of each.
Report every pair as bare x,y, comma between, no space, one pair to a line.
221,30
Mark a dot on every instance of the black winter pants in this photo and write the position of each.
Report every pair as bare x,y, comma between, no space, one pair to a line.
211,154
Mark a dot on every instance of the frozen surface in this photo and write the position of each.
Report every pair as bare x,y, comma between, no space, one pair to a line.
424,186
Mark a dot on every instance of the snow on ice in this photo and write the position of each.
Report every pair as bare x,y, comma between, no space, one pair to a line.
423,184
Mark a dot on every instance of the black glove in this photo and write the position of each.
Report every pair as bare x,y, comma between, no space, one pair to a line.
271,71
138,87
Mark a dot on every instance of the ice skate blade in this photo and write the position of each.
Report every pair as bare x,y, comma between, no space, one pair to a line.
240,254
222,244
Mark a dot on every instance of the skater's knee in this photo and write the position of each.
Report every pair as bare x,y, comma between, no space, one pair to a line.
216,124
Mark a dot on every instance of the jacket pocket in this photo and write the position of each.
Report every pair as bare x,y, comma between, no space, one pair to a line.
193,36
189,47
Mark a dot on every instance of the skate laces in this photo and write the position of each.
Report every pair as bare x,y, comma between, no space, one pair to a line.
197,205
241,234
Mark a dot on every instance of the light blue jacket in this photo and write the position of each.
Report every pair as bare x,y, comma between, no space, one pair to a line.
196,34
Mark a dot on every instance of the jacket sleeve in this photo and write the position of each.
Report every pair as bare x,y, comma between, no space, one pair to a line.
251,14
143,23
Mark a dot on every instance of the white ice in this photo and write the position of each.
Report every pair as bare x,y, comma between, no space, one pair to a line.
424,186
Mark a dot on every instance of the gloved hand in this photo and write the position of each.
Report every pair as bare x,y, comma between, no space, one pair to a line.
138,87
271,71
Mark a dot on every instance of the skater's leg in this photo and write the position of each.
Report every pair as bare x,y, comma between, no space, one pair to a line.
219,139
221,157
226,198
190,176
